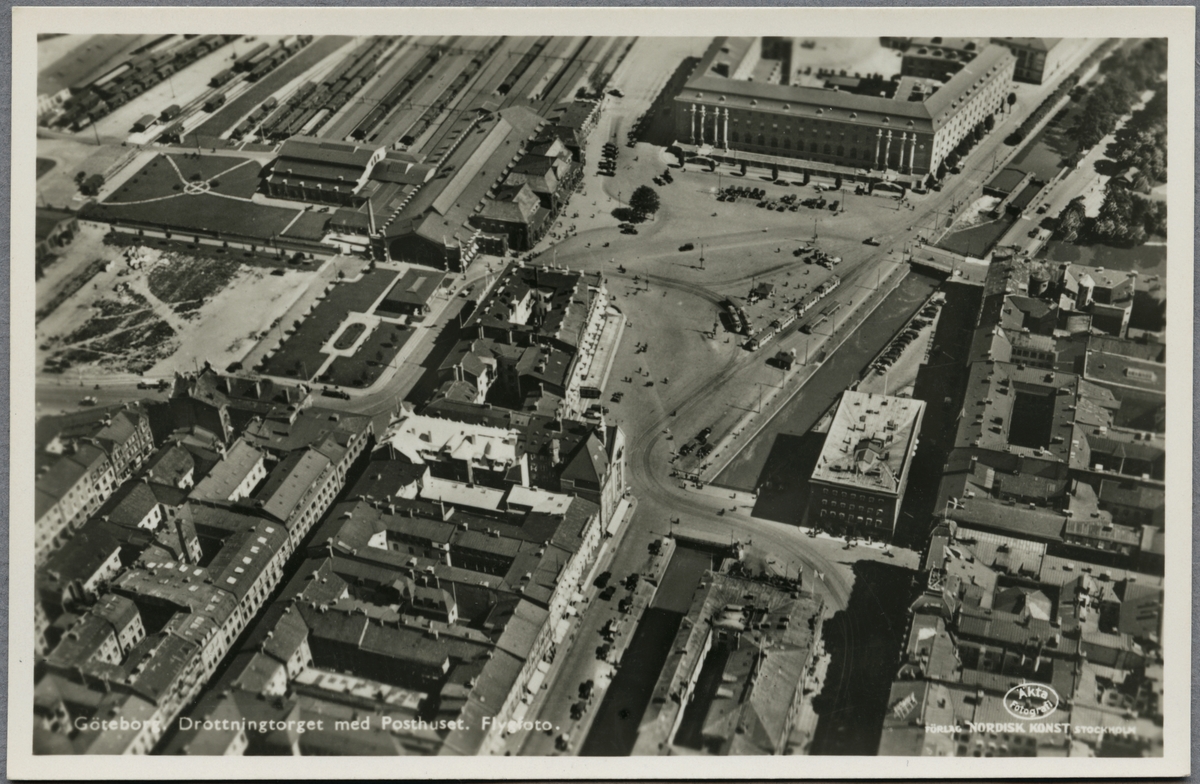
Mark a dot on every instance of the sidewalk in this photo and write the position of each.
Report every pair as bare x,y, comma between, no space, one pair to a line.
567,647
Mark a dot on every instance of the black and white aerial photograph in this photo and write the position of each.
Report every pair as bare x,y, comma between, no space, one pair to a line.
645,395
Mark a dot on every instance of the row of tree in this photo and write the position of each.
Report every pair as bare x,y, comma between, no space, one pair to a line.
1142,143
1127,74
1070,84
1128,219
1125,218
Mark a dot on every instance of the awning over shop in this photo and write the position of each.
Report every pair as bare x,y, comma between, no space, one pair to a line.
536,681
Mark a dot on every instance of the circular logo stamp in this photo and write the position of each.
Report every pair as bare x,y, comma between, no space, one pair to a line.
1031,701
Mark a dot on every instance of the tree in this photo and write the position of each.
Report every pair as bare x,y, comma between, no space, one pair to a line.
989,123
1012,100
644,201
1071,219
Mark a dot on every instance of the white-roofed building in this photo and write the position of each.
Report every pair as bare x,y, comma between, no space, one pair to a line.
470,453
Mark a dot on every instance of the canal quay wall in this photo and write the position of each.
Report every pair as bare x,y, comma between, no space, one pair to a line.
817,385
748,430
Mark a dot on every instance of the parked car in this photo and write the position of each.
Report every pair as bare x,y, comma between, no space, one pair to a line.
687,246
602,580
608,593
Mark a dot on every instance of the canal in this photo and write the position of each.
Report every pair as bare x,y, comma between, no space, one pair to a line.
614,731
843,368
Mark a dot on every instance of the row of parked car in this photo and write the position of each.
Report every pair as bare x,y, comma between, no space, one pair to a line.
608,161
901,341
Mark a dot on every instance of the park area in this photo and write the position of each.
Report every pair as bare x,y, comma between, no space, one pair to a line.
302,354
195,193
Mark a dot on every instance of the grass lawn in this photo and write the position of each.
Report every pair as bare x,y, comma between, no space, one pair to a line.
300,356
236,177
372,358
309,226
202,212
349,335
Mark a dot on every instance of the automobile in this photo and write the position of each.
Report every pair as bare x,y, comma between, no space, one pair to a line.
703,435
687,246
562,742
686,450
577,711
833,206
615,93
937,186
88,401
148,385
279,271
632,580
630,230
607,593
585,689
871,241
602,651
625,605
466,292
1042,210
602,580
